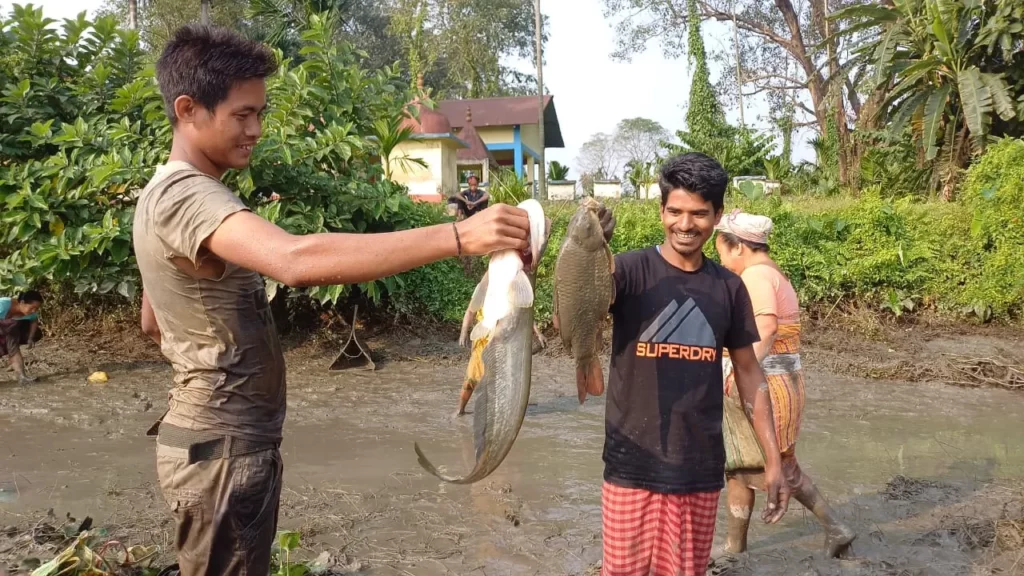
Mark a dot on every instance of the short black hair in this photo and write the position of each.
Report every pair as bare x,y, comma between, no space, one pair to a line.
473,177
733,241
695,173
30,297
205,62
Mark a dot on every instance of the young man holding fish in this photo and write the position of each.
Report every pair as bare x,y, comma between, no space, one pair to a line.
674,312
201,254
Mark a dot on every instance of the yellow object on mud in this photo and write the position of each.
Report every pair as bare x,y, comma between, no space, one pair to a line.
98,377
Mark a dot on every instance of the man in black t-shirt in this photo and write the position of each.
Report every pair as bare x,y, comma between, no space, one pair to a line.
674,312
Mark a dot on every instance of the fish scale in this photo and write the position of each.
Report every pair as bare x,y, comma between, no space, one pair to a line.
583,293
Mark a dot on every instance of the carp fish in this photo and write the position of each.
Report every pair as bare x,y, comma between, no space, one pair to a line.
583,293
506,297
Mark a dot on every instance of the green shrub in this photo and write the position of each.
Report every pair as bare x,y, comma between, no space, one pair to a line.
82,128
994,195
880,252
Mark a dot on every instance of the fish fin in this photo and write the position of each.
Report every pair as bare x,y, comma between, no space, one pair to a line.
595,380
611,259
479,331
520,294
554,304
589,379
477,301
581,384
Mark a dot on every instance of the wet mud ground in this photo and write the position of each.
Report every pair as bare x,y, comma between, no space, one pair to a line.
930,475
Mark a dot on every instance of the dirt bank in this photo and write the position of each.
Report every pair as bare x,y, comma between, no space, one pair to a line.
929,474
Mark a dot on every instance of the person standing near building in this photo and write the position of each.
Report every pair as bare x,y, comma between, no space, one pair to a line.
201,254
674,313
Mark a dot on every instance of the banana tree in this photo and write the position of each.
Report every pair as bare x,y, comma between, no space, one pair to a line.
945,63
641,176
557,171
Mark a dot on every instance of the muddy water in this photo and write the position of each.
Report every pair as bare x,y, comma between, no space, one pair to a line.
353,486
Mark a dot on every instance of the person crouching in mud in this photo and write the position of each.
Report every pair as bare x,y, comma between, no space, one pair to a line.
19,326
674,313
742,245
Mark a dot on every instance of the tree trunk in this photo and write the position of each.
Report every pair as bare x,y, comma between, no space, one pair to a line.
542,189
204,15
819,14
133,14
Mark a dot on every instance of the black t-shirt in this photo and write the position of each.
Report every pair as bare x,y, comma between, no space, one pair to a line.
663,422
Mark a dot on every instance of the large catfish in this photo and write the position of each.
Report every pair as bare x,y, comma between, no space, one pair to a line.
505,295
583,293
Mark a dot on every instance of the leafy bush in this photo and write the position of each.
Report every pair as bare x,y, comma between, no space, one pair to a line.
506,187
82,128
893,255
994,195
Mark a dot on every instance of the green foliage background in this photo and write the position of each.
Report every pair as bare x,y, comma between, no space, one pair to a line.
82,128
954,258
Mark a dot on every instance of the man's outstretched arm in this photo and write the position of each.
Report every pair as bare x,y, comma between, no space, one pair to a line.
251,242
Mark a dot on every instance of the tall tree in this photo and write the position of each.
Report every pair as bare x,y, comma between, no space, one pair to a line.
363,23
639,139
947,64
463,46
703,115
783,50
158,19
539,52
598,157
133,14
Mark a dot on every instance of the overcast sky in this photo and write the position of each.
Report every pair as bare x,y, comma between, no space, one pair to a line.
592,92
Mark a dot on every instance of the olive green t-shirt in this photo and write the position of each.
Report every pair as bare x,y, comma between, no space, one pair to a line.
214,317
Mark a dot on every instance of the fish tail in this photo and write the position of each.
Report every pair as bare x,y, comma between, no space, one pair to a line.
425,464
589,379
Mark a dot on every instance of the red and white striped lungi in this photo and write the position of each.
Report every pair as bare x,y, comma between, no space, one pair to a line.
651,534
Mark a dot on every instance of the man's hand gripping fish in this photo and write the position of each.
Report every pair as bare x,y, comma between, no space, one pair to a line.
505,294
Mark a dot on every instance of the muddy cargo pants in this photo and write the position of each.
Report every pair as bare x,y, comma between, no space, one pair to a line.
224,495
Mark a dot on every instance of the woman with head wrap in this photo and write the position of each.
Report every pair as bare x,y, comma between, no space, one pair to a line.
742,244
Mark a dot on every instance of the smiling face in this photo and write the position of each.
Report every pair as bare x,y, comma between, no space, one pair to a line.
226,135
689,220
